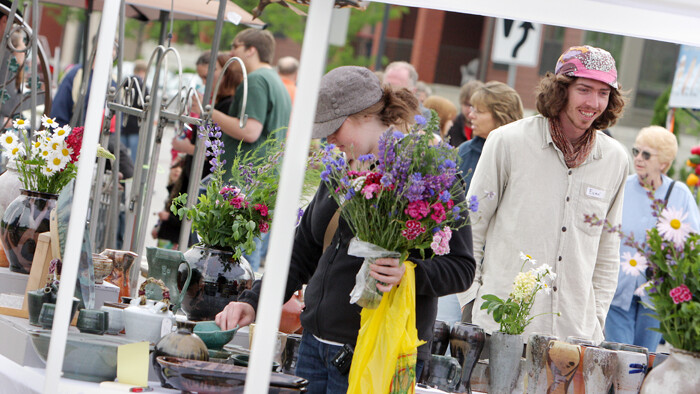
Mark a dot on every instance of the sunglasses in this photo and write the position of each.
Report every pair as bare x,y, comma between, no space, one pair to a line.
645,155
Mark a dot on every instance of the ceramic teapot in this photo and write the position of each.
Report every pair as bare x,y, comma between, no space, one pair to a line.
164,264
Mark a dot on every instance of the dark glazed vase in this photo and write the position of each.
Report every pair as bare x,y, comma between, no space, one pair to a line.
24,219
441,338
466,344
182,343
217,279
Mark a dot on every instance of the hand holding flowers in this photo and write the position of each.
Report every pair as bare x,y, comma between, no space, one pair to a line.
513,314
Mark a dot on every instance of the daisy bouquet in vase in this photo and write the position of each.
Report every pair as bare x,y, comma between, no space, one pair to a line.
669,259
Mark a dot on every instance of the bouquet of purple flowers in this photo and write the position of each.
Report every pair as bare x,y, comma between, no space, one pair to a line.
406,197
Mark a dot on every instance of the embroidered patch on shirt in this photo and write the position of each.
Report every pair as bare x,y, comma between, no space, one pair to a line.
595,193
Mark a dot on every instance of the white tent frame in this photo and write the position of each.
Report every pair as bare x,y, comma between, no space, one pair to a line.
678,22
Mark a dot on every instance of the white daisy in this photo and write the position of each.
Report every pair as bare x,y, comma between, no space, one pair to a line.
36,148
66,152
633,264
56,161
545,271
526,257
20,123
642,290
48,122
9,140
47,171
671,226
61,132
547,288
15,152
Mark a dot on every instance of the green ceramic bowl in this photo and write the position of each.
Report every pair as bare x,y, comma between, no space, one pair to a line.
243,359
212,335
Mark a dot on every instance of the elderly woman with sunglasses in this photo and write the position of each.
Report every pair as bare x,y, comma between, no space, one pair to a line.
654,150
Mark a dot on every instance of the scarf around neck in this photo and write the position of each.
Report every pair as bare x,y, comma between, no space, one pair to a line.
574,153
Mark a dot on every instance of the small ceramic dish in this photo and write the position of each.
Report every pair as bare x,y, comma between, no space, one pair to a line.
242,361
212,335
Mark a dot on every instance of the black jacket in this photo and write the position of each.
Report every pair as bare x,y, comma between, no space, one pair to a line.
330,276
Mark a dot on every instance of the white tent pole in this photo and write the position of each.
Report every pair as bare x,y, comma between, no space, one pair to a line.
83,183
313,59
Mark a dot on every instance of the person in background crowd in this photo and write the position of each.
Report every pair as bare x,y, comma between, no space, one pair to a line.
287,68
493,105
446,111
542,174
461,129
130,132
365,110
423,91
402,74
629,320
268,106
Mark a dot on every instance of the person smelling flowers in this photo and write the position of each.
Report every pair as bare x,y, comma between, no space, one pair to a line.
629,320
354,111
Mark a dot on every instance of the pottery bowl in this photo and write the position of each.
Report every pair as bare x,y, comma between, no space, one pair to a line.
212,335
242,360
103,266
87,357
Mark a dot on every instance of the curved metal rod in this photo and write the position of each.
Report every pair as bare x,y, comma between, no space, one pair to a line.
162,51
129,85
242,118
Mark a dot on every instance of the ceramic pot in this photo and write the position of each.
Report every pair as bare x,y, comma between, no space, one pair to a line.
535,362
504,362
441,338
49,309
103,266
35,299
163,264
631,368
181,343
679,373
116,319
91,321
580,341
599,369
562,362
444,373
10,184
217,279
466,344
147,323
25,218
290,353
124,272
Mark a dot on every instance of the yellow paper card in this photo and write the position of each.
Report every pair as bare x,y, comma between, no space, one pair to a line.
132,364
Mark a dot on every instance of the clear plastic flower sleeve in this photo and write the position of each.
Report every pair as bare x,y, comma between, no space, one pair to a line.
365,292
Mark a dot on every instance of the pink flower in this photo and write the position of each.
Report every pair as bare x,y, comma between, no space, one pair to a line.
417,210
237,202
450,204
264,227
681,294
369,190
441,241
262,208
438,214
413,229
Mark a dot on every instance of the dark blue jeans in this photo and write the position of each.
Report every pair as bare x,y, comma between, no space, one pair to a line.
314,365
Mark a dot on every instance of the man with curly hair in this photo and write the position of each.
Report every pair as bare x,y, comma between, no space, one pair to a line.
541,175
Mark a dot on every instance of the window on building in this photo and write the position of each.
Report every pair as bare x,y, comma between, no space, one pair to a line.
553,40
656,74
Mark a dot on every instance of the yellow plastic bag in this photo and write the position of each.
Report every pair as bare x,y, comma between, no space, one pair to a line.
385,353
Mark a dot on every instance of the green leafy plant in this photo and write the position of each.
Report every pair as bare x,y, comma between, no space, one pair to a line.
513,314
235,210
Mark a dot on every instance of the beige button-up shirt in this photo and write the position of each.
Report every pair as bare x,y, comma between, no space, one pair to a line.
539,208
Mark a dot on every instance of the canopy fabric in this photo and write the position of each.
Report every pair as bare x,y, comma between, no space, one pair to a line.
195,10
676,21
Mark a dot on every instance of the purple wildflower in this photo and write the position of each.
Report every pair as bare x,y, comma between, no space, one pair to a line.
473,203
420,120
445,196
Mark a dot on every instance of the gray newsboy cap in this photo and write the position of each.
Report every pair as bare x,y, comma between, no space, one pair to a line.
344,91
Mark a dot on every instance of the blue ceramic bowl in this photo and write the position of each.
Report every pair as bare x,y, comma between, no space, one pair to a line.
212,335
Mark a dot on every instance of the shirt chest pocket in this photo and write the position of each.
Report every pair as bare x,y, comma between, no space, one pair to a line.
592,200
